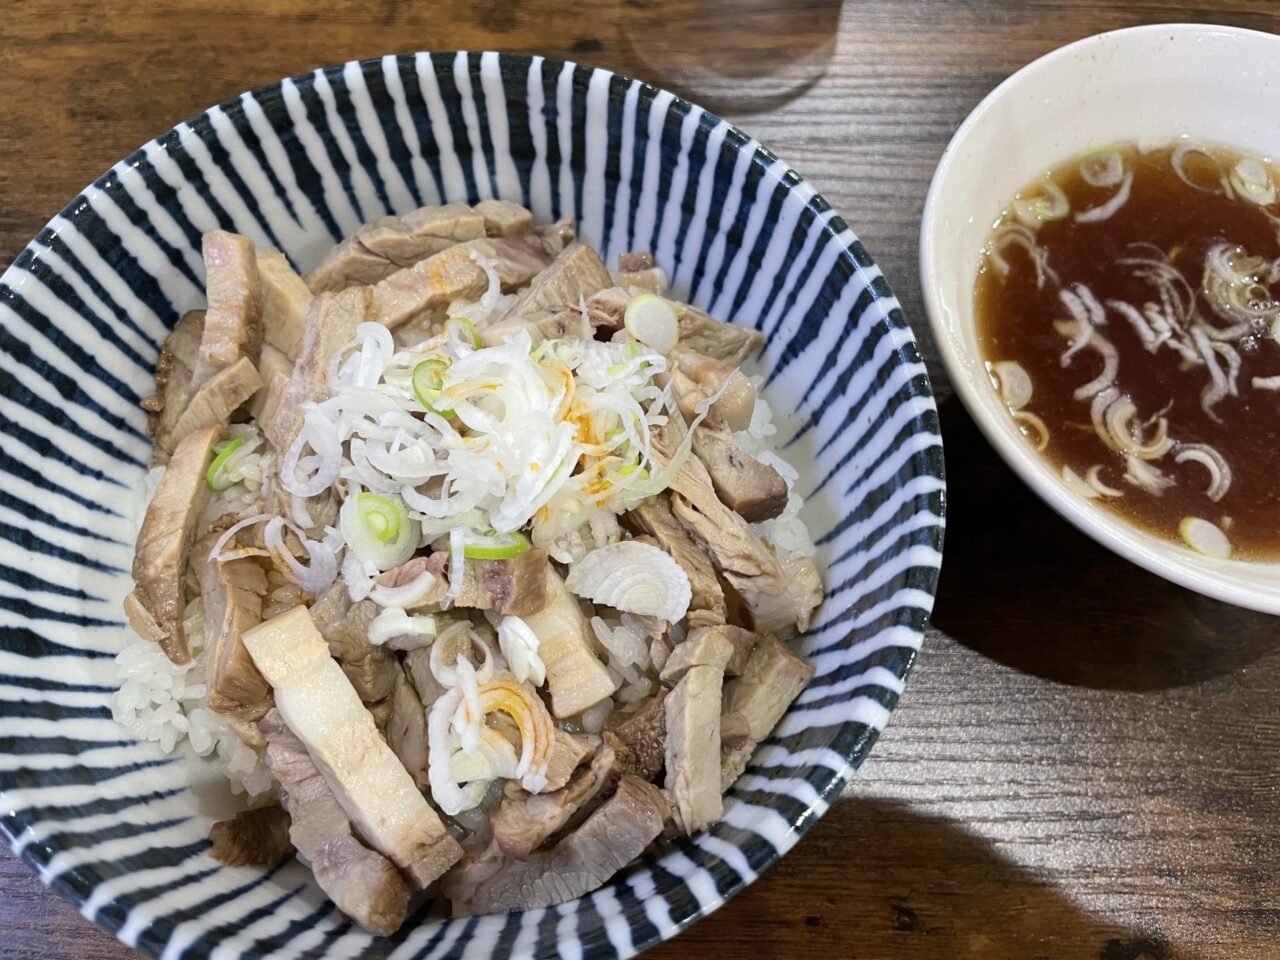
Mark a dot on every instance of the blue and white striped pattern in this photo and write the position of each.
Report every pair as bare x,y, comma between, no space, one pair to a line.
116,826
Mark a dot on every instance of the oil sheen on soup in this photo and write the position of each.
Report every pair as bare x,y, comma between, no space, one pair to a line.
1129,312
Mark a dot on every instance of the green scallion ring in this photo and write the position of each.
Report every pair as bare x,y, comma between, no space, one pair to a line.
214,476
466,328
497,546
380,515
428,385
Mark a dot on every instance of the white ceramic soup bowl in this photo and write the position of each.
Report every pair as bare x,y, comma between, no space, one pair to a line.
1147,84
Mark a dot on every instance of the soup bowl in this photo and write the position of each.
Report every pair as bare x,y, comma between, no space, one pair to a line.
1148,85
120,827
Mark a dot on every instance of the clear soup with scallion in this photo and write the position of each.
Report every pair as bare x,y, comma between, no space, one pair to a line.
1129,312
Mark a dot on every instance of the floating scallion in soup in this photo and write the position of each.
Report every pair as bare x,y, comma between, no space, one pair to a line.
1129,312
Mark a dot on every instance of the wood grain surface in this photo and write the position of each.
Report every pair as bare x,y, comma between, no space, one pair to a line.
1083,763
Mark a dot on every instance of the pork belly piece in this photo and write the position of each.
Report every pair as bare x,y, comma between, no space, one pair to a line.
576,677
320,706
363,884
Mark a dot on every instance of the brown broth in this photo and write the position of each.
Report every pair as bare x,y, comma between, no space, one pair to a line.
1016,322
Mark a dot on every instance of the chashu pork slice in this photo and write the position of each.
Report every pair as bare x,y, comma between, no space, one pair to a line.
696,667
232,592
285,300
156,605
320,706
363,884
233,320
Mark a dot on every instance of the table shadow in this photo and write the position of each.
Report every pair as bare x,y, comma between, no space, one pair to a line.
876,879
1024,587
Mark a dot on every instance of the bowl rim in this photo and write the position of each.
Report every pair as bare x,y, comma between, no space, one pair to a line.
1154,554
75,888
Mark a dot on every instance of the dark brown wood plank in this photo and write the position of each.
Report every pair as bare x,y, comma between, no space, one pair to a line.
1083,765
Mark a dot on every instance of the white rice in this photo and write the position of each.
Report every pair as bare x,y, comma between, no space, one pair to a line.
163,702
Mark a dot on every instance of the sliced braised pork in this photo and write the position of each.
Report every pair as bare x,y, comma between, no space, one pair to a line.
232,592
524,821
702,333
503,218
156,605
215,402
253,838
642,730
516,586
330,325
379,249
771,680
174,367
406,730
654,517
612,837
372,669
320,706
459,273
233,319
773,599
285,301
576,274
363,884
696,668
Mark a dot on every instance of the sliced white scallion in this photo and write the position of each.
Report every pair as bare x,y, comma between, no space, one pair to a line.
652,320
398,630
460,331
1077,483
1211,460
1013,382
1106,211
519,645
1093,477
378,529
1052,204
1204,537
495,546
1102,169
1041,439
1252,182
633,578
1178,158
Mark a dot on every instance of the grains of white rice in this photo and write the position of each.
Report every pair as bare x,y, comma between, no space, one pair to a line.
163,702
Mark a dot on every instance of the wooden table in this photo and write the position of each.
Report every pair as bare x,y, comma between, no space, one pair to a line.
1082,766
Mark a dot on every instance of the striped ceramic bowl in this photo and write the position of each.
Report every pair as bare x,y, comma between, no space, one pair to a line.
118,827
